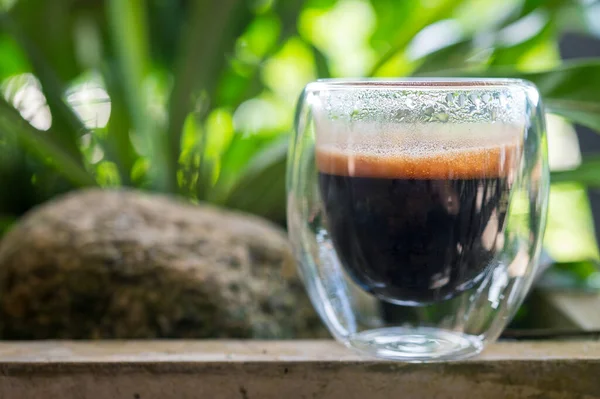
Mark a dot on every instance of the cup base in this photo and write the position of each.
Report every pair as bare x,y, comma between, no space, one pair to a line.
417,345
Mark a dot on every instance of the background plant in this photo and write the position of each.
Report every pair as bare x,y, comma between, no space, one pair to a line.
196,98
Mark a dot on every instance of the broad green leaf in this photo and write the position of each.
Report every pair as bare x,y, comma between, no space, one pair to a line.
399,22
528,6
265,115
261,187
265,158
511,54
465,54
219,131
242,81
392,19
202,145
237,85
588,173
452,56
524,53
584,113
287,72
190,157
107,174
13,60
259,39
233,161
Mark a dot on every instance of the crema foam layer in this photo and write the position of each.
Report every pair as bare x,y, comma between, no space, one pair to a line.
428,152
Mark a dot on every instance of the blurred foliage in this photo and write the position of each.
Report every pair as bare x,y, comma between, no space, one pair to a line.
581,276
196,98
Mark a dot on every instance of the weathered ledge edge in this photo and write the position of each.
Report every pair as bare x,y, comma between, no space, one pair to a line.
289,369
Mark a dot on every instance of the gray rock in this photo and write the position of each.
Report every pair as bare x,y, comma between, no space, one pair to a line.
123,264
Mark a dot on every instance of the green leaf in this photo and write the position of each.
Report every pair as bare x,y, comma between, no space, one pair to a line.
242,81
392,19
13,60
588,173
526,7
402,21
165,19
67,127
584,113
43,146
511,54
49,27
289,10
462,54
233,161
209,36
452,56
117,144
125,81
261,187
321,63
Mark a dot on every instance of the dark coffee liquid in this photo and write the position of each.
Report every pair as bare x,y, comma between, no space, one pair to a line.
416,238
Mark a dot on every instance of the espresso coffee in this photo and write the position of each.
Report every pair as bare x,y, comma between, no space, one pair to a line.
416,229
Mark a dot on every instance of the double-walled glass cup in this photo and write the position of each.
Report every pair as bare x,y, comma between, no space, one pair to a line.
416,210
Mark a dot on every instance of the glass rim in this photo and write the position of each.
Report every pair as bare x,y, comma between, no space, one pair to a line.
466,83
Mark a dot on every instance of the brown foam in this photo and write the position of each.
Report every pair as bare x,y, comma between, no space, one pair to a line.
468,163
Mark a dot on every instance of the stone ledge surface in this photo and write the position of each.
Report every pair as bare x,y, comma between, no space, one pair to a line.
289,369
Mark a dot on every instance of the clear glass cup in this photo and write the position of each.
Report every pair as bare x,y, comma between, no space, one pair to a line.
416,210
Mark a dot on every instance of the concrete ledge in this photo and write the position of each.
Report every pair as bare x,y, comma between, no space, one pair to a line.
290,369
